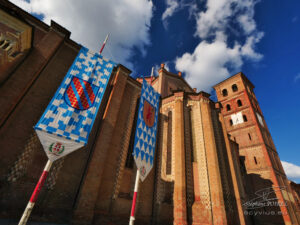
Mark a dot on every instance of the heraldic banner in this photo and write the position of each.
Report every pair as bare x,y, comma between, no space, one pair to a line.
145,136
67,121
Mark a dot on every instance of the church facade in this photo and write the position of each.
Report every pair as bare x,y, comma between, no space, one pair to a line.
215,162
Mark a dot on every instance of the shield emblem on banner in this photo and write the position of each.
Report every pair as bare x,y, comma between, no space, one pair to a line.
80,94
148,114
56,148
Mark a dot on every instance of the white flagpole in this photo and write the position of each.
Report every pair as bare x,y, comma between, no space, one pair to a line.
136,188
103,45
152,74
35,194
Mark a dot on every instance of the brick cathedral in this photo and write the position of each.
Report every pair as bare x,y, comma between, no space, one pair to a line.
215,162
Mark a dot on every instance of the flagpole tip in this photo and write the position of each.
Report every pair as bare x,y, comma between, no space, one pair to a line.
106,38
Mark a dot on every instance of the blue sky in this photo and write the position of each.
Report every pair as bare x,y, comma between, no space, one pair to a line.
207,41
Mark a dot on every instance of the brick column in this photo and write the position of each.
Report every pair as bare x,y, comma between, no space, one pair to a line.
179,198
87,197
216,193
201,211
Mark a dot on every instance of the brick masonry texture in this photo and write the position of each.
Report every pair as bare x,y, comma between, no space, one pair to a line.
205,167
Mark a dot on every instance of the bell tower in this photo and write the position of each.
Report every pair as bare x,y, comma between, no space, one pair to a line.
246,125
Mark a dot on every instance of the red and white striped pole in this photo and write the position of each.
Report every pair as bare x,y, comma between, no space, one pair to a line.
136,188
103,45
35,194
137,179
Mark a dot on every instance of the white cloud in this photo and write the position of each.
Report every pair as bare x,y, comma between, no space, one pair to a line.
220,12
247,49
292,171
248,24
175,5
209,62
214,18
295,19
246,18
214,59
127,22
172,5
297,77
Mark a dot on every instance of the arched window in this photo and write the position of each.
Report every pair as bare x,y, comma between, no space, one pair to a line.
228,108
245,118
234,87
231,123
224,92
239,102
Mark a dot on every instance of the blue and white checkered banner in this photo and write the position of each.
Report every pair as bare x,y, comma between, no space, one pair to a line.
145,135
67,121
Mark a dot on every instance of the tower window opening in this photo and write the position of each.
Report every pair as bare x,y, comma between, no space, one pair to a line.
245,118
230,121
234,87
224,92
255,160
239,102
228,107
249,135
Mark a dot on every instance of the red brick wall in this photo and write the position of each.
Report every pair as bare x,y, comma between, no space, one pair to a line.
261,159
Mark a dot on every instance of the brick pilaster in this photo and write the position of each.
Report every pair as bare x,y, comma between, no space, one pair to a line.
179,198
87,198
216,192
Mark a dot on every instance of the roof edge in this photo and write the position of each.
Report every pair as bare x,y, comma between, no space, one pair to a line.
235,75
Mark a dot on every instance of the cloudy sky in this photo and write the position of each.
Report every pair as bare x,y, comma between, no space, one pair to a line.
207,40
